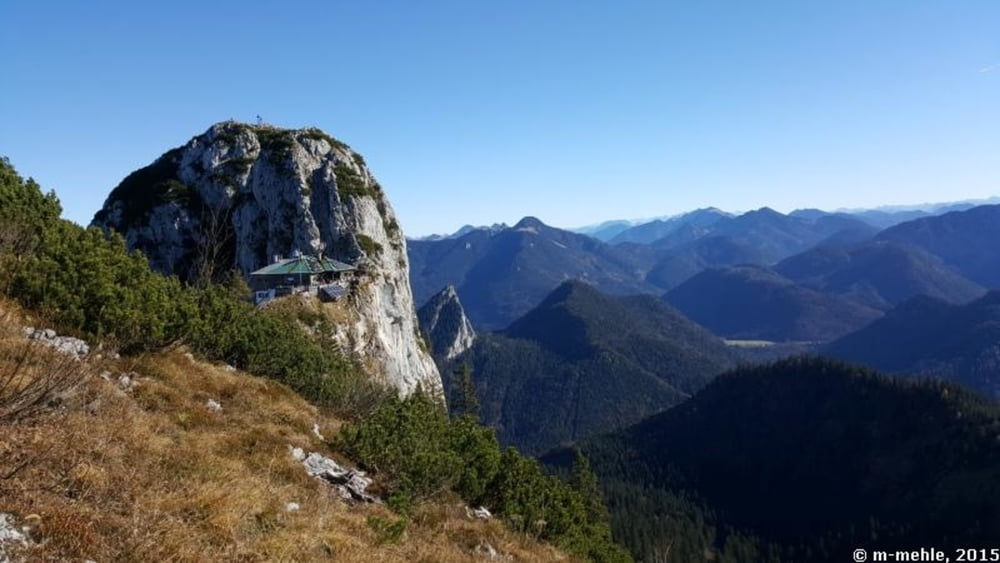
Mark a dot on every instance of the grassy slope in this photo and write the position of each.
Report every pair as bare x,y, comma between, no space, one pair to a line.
152,475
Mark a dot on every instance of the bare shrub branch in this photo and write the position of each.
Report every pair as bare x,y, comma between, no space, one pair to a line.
34,378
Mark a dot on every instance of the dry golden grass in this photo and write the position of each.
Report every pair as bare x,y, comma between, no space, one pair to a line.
152,474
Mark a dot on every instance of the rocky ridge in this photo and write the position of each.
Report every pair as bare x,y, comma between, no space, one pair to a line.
444,322
238,195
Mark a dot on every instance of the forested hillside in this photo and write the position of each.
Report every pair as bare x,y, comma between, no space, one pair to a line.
583,363
930,337
804,460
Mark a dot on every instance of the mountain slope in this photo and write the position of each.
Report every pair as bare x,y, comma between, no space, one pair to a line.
804,460
237,195
682,263
929,336
582,363
964,240
141,467
750,302
501,275
879,274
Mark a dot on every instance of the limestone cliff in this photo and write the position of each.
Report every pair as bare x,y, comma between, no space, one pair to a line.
238,195
443,320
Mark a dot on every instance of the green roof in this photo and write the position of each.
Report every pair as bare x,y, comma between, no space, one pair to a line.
303,265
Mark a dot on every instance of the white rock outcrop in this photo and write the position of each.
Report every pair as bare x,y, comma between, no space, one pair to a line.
443,319
238,195
63,344
350,483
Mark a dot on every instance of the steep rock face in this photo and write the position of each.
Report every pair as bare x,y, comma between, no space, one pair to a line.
443,320
237,195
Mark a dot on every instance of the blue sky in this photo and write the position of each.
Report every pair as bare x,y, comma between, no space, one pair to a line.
572,111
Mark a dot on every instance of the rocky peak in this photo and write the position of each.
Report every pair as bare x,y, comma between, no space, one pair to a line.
529,223
238,195
443,320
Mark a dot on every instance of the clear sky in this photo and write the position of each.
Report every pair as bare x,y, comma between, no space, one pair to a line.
572,111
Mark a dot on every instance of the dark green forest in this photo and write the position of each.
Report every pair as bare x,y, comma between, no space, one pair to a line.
805,459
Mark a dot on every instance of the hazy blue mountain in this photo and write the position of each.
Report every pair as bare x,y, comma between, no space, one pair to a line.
890,215
752,302
604,231
582,363
850,235
771,235
778,236
968,241
659,228
931,337
500,275
886,219
464,230
803,460
879,274
685,261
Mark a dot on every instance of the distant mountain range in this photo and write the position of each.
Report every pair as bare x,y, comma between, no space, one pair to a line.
502,272
659,228
582,363
772,235
500,275
803,460
880,218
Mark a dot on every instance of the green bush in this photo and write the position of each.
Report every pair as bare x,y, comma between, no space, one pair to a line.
25,213
90,285
349,183
414,446
407,441
319,135
369,246
387,532
477,447
148,187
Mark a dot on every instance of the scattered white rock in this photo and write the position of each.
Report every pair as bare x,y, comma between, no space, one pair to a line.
487,551
63,344
317,433
10,536
213,406
106,375
482,513
350,483
292,507
229,368
127,382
